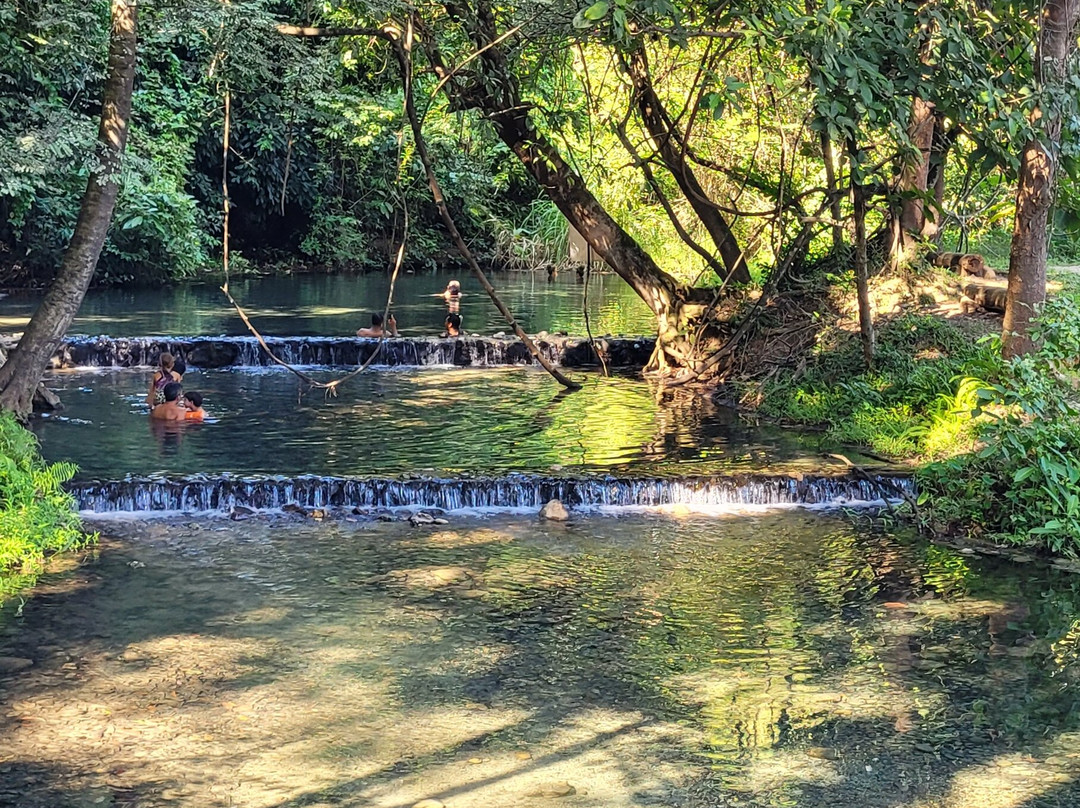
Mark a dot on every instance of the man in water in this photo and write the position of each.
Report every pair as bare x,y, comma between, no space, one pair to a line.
173,409
377,329
453,325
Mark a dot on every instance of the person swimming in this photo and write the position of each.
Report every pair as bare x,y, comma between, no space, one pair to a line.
453,325
172,408
378,329
163,376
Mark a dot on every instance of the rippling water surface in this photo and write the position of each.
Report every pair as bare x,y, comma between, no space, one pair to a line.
336,305
786,659
387,422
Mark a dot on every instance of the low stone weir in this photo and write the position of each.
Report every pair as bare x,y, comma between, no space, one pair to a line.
219,352
224,493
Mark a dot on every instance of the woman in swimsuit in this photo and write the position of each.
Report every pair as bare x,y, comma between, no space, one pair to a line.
162,376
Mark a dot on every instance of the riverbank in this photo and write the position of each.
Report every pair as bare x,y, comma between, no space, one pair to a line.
995,445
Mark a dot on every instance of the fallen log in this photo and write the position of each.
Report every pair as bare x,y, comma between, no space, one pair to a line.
978,296
969,265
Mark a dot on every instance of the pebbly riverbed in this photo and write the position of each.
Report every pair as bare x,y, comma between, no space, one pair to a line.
770,659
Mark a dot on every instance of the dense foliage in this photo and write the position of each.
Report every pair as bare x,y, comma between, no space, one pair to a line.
320,172
996,443
315,145
37,516
1021,482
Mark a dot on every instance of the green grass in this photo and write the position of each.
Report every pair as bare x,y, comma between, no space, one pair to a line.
912,405
995,444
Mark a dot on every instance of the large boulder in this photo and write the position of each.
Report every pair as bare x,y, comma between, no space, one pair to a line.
213,354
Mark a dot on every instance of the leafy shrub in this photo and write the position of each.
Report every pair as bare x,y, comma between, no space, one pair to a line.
1023,483
36,514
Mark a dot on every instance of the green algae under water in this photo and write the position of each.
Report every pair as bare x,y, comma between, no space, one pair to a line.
777,659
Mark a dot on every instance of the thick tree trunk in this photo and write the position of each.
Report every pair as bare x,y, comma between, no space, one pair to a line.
669,146
1027,254
679,310
915,172
1035,186
20,375
909,219
939,156
677,307
862,273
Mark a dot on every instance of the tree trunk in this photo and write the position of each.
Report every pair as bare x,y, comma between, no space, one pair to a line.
677,307
939,156
679,310
1035,185
862,274
668,144
20,375
915,172
828,156
909,219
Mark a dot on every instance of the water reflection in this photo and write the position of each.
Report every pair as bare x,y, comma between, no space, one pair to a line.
785,659
483,421
321,305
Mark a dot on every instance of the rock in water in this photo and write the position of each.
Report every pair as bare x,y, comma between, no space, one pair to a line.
555,511
14,664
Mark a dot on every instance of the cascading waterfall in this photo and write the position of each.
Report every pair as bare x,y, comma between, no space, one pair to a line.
514,491
218,352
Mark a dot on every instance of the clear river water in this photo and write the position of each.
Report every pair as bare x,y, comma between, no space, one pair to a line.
337,305
376,655
446,421
785,659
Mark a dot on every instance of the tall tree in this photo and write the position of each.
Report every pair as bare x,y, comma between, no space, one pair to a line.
20,375
1038,168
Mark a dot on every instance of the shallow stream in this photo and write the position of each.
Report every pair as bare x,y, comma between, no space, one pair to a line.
489,421
348,657
783,659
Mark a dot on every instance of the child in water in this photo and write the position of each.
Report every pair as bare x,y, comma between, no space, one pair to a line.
193,405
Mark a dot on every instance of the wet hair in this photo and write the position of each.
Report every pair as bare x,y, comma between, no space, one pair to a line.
166,361
173,391
454,287
453,320
179,367
376,320
194,398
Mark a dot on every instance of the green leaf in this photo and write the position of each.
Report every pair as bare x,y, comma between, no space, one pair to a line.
596,11
134,221
1023,474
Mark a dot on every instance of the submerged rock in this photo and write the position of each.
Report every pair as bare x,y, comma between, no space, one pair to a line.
10,664
554,511
561,789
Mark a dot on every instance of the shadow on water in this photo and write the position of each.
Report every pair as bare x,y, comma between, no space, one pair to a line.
775,660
